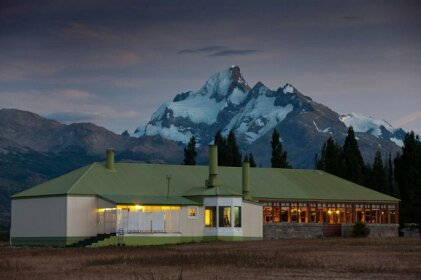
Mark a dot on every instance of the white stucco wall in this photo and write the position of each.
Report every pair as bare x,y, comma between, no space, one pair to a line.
252,220
82,216
39,217
192,227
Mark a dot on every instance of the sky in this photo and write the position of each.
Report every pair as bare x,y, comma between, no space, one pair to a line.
114,63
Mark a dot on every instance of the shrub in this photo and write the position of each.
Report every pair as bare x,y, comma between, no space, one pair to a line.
359,229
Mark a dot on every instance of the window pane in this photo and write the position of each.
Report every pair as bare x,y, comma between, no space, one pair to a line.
294,212
237,216
284,214
210,216
224,216
313,214
276,214
302,212
267,213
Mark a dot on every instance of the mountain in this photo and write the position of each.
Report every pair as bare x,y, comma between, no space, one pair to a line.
226,102
34,149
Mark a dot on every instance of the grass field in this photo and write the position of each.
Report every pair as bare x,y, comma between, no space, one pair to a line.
336,258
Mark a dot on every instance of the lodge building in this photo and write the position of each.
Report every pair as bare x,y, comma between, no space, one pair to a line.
137,204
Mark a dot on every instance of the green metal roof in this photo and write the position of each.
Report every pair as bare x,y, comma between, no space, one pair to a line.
150,180
218,191
149,200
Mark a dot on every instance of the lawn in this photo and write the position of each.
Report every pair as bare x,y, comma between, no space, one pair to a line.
380,258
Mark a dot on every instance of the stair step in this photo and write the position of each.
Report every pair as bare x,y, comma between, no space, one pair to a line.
89,241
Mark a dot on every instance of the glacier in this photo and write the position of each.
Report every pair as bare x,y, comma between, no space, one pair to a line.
226,103
362,123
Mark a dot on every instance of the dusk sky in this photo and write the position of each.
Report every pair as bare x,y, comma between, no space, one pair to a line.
114,62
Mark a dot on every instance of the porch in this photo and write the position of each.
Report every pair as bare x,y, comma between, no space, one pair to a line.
140,219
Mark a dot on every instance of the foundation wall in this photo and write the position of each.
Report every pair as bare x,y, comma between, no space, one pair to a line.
292,231
376,230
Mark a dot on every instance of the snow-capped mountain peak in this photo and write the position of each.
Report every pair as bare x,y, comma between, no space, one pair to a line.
288,89
226,103
378,128
224,83
362,123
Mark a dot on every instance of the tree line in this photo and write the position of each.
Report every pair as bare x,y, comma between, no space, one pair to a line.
399,176
229,153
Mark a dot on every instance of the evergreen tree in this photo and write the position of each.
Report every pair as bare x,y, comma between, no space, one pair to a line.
190,152
221,142
354,164
251,160
378,174
332,158
233,152
279,157
408,178
228,151
389,174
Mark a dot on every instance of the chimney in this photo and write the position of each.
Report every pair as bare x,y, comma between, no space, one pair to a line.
246,178
110,159
213,180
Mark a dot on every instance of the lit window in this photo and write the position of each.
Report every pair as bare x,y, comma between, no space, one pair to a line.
192,212
210,217
237,216
225,216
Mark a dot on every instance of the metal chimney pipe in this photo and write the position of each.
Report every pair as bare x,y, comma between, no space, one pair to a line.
213,180
110,159
246,178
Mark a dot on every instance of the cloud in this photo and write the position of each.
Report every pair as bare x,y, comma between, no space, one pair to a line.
72,117
407,119
235,52
219,51
83,31
203,50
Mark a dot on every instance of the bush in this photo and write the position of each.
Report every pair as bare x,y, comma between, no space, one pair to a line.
359,229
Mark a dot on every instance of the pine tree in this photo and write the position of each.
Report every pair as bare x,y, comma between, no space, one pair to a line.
233,152
389,174
378,174
279,157
190,152
251,160
408,178
354,164
332,158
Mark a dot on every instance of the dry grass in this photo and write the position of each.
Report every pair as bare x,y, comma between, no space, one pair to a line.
322,258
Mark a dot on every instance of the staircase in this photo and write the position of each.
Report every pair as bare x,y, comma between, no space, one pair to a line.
91,240
332,230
